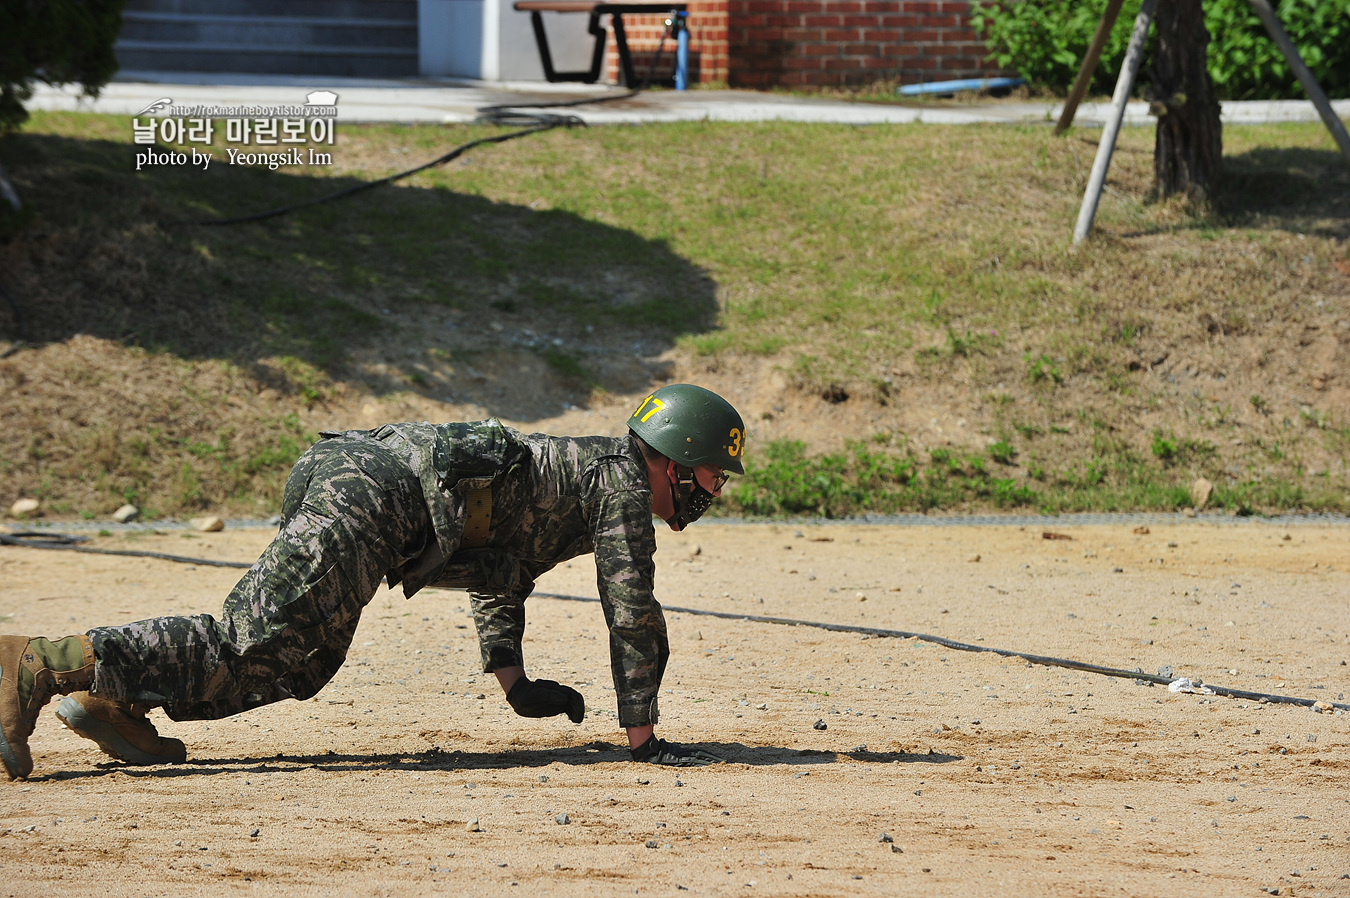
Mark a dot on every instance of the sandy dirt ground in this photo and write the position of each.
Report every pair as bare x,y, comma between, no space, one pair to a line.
931,771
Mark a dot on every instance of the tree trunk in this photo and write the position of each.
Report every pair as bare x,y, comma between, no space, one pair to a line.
1189,147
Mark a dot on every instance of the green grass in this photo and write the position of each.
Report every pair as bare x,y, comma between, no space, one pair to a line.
862,479
823,236
311,285
785,481
882,263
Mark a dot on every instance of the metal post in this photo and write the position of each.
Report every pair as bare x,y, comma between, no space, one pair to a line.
1094,55
1134,55
682,50
1305,77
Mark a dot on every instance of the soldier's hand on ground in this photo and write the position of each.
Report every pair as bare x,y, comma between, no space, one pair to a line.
658,751
546,698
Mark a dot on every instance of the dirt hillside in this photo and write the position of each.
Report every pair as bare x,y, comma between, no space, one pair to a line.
184,369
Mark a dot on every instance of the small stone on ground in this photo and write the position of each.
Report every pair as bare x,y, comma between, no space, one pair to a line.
23,508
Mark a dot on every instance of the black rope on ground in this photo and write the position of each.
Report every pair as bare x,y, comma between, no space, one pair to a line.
1045,660
369,185
35,540
511,114
506,114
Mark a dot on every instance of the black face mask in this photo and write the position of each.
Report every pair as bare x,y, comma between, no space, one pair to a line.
690,498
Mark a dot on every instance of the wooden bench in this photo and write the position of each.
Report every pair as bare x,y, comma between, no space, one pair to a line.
595,9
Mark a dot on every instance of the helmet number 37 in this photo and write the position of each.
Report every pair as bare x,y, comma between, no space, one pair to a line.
644,413
693,426
651,405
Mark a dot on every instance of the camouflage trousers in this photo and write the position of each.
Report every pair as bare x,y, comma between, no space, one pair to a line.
352,511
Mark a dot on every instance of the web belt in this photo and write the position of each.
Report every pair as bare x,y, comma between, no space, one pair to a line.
478,517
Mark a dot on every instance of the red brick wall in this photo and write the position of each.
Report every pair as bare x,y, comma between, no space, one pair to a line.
770,43
841,42
707,44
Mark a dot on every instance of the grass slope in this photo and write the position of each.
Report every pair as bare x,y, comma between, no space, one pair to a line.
911,290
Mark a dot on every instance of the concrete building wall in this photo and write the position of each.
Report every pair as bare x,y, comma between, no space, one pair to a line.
488,40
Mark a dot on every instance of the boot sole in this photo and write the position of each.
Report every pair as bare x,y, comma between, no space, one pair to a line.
6,753
82,723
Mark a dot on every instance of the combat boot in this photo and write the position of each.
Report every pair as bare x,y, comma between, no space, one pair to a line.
31,672
121,730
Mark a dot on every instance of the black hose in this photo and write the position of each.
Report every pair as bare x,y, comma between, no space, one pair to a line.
511,114
35,540
506,114
337,195
1046,660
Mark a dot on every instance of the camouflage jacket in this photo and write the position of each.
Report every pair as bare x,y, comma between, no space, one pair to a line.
553,498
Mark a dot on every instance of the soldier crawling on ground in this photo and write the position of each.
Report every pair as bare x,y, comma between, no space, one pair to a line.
476,506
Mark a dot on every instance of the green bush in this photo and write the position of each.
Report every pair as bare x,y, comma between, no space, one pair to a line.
1246,65
1045,41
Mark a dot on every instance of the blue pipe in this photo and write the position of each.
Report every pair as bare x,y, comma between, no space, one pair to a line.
682,53
951,87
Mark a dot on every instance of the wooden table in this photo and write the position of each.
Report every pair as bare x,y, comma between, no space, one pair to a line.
595,9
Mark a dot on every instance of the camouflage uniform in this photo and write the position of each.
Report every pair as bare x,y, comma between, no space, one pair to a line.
391,502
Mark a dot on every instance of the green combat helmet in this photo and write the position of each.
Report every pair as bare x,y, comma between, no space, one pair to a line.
691,426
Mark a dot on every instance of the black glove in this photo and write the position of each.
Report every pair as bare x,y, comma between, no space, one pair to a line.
545,698
657,751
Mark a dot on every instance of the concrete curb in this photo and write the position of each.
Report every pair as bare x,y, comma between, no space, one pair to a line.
444,102
1084,519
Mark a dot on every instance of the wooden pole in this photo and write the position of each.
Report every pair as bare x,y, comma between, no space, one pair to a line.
1305,76
1134,55
1094,55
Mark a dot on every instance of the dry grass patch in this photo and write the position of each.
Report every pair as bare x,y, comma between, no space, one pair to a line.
912,286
